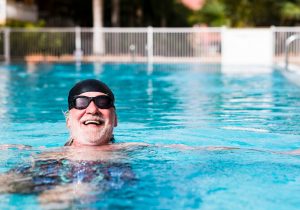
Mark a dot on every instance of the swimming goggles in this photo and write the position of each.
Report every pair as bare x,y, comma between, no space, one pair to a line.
82,102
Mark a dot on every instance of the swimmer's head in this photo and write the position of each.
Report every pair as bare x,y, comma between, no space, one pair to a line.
91,116
89,85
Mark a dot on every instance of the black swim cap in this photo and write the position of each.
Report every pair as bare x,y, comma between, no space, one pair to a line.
89,85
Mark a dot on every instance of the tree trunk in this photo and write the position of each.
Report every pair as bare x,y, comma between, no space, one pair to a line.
98,41
115,15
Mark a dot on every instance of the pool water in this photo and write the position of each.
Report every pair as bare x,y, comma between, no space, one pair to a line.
189,104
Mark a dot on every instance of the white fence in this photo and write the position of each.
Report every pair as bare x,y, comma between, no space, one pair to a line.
2,45
201,45
280,36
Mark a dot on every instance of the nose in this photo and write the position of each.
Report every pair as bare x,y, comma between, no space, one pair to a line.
92,108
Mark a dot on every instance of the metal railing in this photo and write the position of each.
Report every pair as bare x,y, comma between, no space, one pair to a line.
199,44
114,44
281,34
288,42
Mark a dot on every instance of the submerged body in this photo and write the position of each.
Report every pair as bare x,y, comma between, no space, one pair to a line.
71,173
47,174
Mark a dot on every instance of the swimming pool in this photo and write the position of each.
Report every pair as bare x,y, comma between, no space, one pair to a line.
188,104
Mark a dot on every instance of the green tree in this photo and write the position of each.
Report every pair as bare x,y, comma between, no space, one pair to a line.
290,13
213,13
248,13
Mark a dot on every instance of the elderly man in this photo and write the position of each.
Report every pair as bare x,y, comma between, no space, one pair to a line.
90,119
92,116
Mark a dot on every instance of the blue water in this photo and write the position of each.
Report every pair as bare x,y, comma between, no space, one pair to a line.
194,105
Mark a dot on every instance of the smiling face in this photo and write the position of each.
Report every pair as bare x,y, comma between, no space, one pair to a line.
91,126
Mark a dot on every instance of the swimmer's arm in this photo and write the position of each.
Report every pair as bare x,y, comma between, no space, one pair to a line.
293,152
14,146
176,146
15,183
66,193
186,147
218,148
6,183
128,145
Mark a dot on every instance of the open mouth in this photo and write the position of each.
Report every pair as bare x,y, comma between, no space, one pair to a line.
93,122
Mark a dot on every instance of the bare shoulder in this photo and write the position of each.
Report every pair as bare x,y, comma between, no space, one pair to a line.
59,153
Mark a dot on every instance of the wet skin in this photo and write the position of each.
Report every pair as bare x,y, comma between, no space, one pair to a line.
91,126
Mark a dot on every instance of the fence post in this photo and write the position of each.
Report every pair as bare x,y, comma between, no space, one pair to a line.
150,49
223,31
150,44
273,31
7,45
78,52
98,41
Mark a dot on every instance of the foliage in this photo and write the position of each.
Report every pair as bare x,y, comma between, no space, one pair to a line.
45,43
248,13
24,24
290,12
156,13
213,14
169,13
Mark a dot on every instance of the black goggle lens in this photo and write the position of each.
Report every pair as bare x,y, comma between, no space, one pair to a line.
102,102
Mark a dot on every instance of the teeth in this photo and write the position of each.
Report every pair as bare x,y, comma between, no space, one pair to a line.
92,122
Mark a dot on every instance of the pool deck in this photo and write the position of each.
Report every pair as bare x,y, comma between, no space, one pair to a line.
122,58
39,58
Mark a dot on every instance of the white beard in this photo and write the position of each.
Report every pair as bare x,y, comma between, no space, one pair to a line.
86,135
